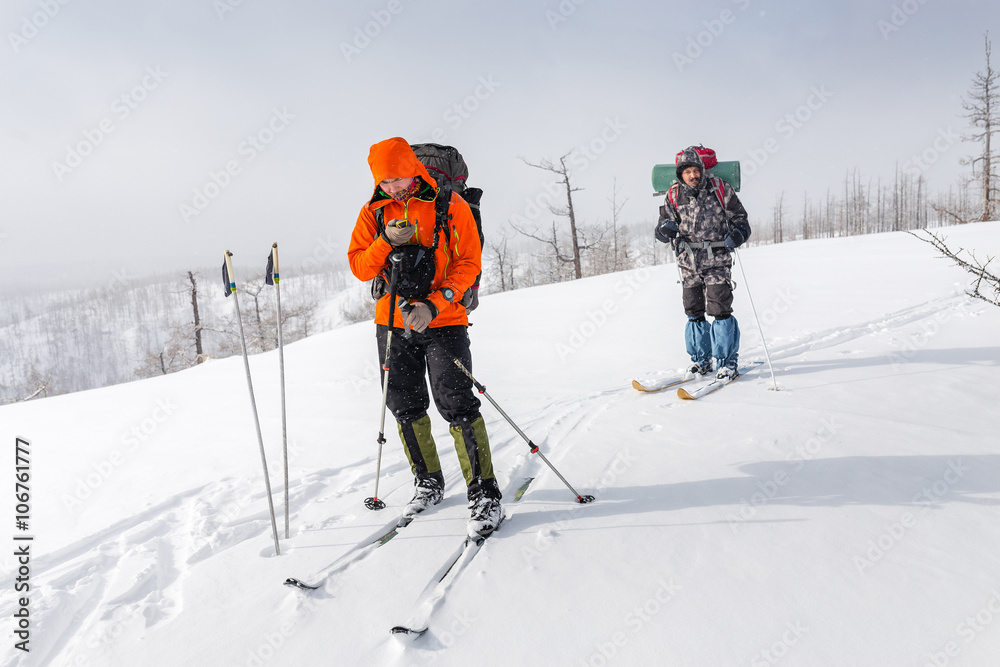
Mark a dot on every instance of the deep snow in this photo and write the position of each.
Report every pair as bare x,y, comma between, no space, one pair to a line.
851,518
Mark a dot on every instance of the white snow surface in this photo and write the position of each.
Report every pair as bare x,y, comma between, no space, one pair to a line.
850,518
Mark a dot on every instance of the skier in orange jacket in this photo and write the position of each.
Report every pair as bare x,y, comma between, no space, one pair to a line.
441,260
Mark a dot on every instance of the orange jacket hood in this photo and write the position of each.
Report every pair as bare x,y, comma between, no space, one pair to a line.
393,158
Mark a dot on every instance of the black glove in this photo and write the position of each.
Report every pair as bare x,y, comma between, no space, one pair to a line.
734,239
666,230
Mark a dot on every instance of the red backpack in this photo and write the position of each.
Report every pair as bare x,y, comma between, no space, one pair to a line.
709,159
707,156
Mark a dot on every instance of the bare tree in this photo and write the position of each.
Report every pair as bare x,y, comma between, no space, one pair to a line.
505,261
617,263
198,349
779,214
568,211
984,280
36,385
172,356
982,107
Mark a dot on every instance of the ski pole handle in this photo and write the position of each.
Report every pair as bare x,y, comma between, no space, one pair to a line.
230,276
274,258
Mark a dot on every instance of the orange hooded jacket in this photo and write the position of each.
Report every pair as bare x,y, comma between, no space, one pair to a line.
457,260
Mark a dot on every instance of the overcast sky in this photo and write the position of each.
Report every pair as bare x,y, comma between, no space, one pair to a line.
151,136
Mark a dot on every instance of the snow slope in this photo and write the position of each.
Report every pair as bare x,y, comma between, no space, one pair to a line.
851,518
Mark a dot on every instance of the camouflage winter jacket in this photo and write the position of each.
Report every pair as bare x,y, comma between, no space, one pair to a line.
699,215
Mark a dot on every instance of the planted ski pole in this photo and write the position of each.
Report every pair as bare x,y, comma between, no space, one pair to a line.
763,341
272,278
534,448
229,280
374,503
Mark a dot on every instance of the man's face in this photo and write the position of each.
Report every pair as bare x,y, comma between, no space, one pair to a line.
691,176
391,186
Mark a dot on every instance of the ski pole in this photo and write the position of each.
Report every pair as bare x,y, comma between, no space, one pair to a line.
229,279
774,383
482,390
374,503
272,278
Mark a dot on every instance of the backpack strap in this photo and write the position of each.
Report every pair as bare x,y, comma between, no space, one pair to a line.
380,284
441,215
717,184
720,190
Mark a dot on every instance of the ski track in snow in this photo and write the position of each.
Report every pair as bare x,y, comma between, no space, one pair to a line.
133,569
887,325
131,572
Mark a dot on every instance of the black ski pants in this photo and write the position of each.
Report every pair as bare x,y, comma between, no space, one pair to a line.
715,300
429,354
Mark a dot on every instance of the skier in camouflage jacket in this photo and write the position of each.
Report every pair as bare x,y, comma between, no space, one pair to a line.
703,233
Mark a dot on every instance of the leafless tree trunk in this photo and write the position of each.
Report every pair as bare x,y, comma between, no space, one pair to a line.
569,212
982,107
616,210
197,319
779,214
504,267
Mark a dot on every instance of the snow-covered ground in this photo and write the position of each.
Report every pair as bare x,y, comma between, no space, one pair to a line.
851,518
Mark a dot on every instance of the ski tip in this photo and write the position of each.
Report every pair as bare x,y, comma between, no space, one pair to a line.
403,632
297,583
683,393
524,487
638,386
